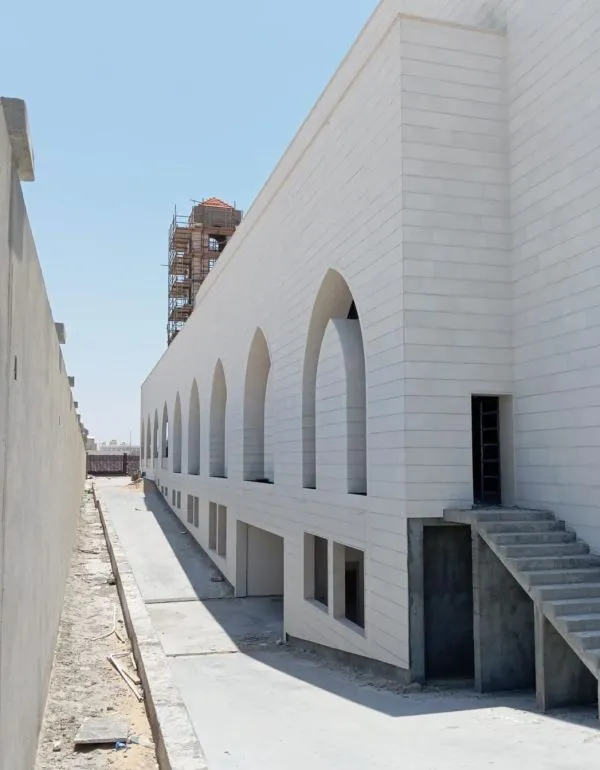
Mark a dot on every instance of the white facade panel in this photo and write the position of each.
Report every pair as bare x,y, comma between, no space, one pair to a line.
447,183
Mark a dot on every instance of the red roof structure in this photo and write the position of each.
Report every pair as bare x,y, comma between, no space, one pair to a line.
216,203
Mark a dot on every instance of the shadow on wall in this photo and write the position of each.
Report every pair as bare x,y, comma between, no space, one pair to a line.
261,618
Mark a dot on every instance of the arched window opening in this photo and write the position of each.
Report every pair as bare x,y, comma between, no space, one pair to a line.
143,443
218,421
194,432
334,445
270,422
165,438
148,442
217,242
258,375
177,438
156,435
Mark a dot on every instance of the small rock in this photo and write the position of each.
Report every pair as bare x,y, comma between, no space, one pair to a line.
280,642
111,581
56,746
412,688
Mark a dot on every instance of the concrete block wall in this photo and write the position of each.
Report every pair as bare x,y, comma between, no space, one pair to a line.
42,470
447,177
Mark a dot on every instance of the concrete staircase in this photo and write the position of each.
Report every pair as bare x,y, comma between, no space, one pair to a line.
551,565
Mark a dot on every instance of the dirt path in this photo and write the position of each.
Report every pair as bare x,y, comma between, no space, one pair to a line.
83,683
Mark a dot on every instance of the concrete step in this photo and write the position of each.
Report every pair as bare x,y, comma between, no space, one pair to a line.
554,591
587,640
519,527
533,563
508,515
533,538
593,654
536,550
583,622
566,608
558,577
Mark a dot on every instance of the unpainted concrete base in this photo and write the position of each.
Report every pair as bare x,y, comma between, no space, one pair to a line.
416,584
373,667
503,626
561,678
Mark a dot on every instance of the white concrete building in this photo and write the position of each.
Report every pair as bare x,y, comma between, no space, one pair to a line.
429,238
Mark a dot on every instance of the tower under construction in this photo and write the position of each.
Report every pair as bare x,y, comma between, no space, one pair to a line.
195,243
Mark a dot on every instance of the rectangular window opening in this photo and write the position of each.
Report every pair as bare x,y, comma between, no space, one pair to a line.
349,584
196,512
212,526
222,531
316,578
190,509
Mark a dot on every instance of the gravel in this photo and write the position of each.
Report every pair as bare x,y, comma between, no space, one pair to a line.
83,682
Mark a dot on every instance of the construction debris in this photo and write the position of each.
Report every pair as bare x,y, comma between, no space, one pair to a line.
102,730
130,681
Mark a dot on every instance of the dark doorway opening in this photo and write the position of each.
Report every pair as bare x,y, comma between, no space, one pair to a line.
321,587
354,586
448,602
485,413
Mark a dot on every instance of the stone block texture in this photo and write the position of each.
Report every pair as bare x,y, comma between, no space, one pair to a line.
446,185
42,471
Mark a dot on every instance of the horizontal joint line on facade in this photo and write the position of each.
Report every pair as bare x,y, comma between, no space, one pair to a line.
497,121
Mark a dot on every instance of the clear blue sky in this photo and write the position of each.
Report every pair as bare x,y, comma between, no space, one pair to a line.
135,107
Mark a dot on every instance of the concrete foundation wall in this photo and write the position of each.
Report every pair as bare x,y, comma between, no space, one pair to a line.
445,183
504,626
42,468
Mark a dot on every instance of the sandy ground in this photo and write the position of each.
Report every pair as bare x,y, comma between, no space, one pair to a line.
83,683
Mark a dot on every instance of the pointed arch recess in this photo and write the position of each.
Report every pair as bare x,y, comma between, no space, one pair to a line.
258,463
148,441
164,441
335,305
177,437
194,431
218,421
155,452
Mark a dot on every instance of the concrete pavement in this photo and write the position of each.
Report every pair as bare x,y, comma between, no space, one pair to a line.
255,704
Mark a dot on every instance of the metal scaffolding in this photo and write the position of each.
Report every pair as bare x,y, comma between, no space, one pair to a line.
195,244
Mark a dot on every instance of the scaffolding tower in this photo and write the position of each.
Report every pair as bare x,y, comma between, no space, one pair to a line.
195,244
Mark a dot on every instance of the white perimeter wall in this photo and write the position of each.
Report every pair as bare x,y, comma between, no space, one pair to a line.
42,468
442,174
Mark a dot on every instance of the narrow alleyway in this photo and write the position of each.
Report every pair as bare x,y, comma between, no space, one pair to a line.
255,703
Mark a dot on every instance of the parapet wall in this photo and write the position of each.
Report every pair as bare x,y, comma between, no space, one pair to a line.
42,461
